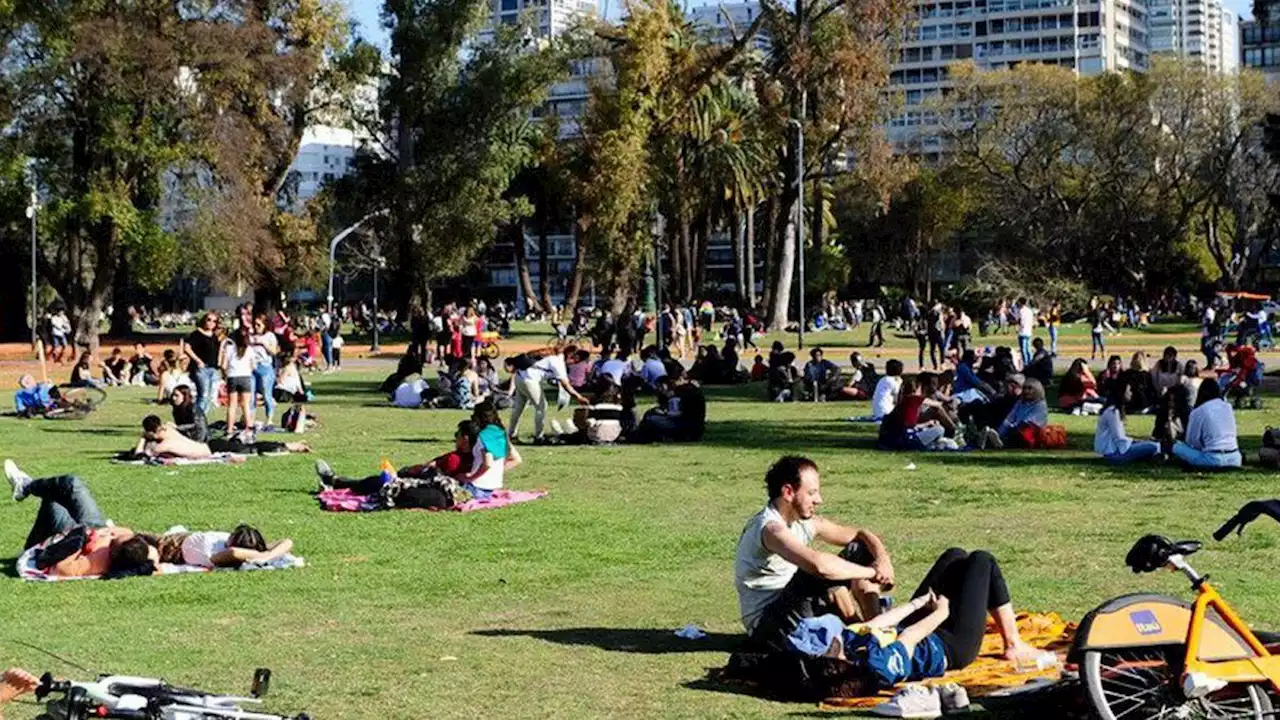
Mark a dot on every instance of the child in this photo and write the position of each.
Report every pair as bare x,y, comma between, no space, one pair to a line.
759,371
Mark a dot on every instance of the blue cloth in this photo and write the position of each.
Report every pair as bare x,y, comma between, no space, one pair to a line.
966,379
264,384
1024,413
495,441
35,399
890,665
814,635
652,371
204,379
1138,451
477,493
1208,460
1024,345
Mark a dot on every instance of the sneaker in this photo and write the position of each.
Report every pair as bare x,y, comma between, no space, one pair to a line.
325,473
991,439
913,701
954,699
18,479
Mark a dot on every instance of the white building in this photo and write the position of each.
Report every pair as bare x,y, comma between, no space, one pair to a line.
1201,30
724,23
326,153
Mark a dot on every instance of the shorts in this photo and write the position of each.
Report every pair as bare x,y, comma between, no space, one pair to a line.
240,384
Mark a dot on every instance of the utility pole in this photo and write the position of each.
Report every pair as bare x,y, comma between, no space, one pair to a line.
35,311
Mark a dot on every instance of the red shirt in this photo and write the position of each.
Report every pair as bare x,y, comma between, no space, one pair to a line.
451,464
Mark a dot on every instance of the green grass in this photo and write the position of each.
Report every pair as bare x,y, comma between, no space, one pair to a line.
565,607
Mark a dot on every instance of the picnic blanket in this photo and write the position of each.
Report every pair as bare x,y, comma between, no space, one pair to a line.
27,570
991,673
347,501
215,459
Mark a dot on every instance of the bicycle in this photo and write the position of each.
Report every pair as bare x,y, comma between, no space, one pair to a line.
73,404
1145,656
138,698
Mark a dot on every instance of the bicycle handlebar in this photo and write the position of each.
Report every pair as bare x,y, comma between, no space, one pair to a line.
97,694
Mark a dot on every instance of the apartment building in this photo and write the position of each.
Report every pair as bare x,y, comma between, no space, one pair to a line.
1260,48
724,23
1202,30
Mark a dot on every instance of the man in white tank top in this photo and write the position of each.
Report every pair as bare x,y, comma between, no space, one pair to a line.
780,579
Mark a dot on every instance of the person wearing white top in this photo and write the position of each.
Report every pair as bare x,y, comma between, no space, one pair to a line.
1026,328
243,545
885,396
238,359
529,389
409,393
1110,440
780,579
1211,440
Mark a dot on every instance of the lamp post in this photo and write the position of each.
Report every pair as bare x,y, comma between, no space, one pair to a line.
35,312
333,247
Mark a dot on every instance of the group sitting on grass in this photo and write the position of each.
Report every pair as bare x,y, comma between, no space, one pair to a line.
794,598
77,541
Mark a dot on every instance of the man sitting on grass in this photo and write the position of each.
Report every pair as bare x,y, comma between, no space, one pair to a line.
780,579
33,398
81,542
161,439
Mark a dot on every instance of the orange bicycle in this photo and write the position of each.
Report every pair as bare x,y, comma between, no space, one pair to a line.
1149,657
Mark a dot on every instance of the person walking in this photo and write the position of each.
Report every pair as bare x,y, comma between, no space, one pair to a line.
875,338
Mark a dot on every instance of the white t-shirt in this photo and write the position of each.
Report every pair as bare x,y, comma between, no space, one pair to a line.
759,574
199,548
550,367
492,478
885,396
239,364
1212,428
409,394
1026,321
1110,438
265,347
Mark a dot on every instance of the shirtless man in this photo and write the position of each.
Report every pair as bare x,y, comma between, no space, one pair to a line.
15,683
69,511
161,438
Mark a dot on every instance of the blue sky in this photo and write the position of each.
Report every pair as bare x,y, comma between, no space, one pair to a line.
366,13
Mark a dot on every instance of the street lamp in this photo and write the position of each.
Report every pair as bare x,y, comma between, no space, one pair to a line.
333,247
35,312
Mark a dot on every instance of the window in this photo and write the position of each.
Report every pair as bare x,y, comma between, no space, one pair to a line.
980,29
511,19
1030,24
964,30
1049,45
1253,57
1013,25
509,5
1013,47
995,6
914,97
945,10
911,55
929,32
929,75
996,48
948,52
1049,22
1031,46
328,177
946,32
997,27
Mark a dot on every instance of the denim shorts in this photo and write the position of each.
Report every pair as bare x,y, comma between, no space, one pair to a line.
240,384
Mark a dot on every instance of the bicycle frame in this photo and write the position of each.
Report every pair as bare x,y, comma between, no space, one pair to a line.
1263,667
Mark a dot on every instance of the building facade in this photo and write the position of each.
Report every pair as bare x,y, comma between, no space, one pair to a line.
724,23
1260,48
1202,30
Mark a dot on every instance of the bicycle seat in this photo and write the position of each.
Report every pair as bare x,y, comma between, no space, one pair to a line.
1152,552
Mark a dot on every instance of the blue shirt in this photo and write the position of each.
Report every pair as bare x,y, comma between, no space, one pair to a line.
886,660
37,398
653,371
495,441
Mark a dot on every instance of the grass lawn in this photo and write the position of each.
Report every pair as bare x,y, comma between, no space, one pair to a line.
565,606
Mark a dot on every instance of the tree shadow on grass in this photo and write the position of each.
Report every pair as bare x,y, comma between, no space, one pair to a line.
643,641
115,432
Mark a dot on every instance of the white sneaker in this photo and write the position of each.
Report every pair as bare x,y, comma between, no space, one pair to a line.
955,699
18,479
913,701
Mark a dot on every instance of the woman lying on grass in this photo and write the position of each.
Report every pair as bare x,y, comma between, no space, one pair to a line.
243,545
941,628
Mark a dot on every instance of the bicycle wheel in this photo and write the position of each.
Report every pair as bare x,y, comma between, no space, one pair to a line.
77,403
1142,684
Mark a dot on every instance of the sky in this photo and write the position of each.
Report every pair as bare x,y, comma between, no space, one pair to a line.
366,13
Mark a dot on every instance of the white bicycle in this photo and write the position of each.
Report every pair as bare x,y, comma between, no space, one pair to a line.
120,696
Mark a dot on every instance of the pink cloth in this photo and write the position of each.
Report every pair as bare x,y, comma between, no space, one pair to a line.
347,501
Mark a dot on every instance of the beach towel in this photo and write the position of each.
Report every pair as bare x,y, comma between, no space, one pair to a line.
27,570
215,459
991,673
347,501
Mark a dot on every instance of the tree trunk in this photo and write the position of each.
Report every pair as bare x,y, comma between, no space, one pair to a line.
516,232
817,239
738,228
687,244
751,257
579,269
544,263
771,248
622,292
676,257
122,298
700,258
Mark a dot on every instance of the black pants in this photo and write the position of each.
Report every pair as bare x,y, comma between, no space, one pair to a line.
804,597
921,342
65,502
935,348
243,448
974,585
371,485
876,337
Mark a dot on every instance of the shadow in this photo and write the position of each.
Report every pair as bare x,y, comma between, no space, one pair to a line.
113,432
712,683
9,567
422,441
644,641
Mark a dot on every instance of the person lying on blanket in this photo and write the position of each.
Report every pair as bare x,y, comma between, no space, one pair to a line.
243,545
780,579
161,439
82,543
14,683
479,461
941,628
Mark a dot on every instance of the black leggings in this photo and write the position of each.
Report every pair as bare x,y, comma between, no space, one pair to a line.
974,585
935,349
243,448
921,342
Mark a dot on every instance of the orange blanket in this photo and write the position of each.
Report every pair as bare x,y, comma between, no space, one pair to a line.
989,673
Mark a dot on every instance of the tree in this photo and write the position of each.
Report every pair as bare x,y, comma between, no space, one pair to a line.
458,110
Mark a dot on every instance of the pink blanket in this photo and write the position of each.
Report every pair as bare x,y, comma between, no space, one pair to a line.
347,501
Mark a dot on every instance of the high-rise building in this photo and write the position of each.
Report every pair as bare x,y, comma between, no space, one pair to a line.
552,17
1260,48
1200,30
